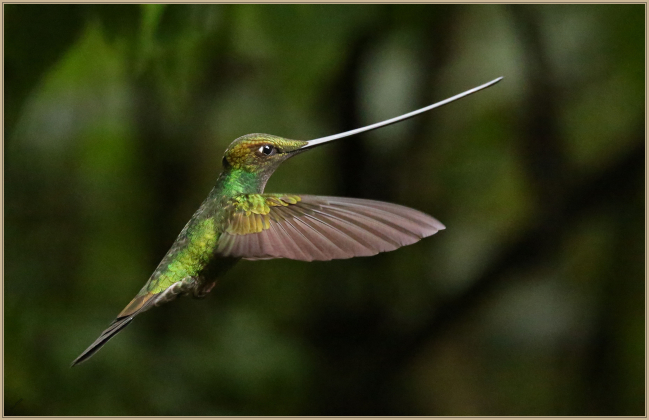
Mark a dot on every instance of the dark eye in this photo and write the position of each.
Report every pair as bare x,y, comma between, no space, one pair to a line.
267,150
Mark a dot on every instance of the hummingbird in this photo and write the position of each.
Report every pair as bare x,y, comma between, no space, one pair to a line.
238,220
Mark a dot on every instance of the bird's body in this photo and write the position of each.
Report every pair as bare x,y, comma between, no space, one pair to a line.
237,220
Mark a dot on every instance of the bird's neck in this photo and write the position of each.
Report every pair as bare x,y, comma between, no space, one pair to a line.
238,181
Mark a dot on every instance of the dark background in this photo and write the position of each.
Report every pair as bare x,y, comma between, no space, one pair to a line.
531,302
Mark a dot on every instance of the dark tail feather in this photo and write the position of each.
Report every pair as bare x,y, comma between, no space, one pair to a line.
110,332
138,304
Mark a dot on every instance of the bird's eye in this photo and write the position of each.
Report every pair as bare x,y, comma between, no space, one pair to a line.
267,150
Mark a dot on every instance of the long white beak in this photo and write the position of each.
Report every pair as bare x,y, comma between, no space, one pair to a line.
394,120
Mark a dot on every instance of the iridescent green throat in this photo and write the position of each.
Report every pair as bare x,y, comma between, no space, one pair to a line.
238,181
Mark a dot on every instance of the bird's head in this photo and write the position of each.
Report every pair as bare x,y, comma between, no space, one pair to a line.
260,153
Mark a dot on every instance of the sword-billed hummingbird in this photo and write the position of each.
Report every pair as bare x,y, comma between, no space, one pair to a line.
238,220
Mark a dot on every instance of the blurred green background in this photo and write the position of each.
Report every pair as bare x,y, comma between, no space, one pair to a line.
531,302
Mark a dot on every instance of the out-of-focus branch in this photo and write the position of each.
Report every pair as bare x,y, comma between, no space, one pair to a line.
351,156
541,142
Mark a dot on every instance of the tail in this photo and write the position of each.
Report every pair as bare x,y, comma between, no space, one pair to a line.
115,327
139,304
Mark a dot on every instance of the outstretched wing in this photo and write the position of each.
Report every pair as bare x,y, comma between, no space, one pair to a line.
307,227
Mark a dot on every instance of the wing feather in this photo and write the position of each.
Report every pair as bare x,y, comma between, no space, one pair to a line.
393,231
313,233
320,228
357,235
296,252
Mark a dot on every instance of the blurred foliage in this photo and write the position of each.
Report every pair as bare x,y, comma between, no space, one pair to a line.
530,303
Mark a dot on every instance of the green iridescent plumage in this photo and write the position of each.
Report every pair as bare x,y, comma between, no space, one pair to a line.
238,221
190,260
